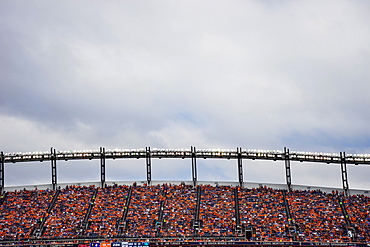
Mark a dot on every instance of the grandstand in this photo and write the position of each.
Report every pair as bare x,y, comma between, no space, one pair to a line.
190,213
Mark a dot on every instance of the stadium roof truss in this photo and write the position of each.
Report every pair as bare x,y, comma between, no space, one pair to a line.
238,154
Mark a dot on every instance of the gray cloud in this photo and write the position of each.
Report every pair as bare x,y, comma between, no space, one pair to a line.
174,74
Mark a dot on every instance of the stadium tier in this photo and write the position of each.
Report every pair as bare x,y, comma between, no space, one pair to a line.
174,213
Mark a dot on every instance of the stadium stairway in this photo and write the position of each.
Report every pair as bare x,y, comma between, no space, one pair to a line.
122,224
3,197
239,228
292,228
350,228
158,224
85,223
197,224
39,228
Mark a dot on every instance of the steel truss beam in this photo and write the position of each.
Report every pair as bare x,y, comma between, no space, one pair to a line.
102,166
53,158
252,154
287,169
240,166
194,165
2,168
287,156
148,157
343,166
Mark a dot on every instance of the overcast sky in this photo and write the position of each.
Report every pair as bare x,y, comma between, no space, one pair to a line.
174,74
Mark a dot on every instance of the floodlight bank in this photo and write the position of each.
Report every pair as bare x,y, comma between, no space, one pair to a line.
147,153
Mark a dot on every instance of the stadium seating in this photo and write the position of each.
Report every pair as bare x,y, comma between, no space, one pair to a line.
108,209
170,211
318,216
217,211
263,209
22,211
179,211
144,209
358,209
68,213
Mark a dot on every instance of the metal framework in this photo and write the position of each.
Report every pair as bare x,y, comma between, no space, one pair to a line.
276,155
194,165
240,166
148,165
53,158
343,166
287,169
239,154
2,165
102,166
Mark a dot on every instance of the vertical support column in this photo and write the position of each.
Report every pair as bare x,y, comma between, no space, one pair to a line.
53,158
287,169
102,166
343,166
2,167
148,165
240,166
194,165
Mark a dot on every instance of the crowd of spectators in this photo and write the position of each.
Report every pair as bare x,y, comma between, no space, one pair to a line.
318,216
68,213
358,209
143,211
263,210
169,210
108,209
178,212
217,211
22,211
